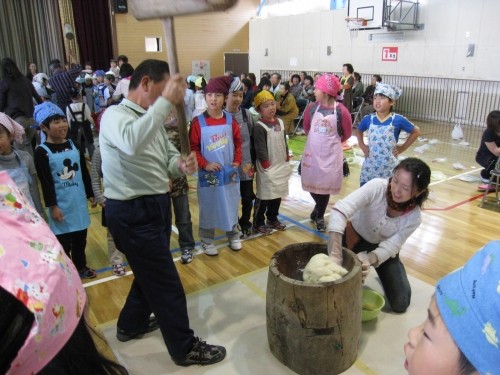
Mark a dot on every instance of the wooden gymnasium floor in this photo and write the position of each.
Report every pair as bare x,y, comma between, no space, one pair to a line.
453,227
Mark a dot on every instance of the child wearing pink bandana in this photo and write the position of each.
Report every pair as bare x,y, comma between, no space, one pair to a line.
42,299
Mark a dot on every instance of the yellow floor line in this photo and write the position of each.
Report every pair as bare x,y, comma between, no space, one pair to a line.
361,366
257,290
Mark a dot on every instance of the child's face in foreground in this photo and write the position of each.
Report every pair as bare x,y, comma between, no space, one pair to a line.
267,110
5,142
57,130
234,100
215,101
430,349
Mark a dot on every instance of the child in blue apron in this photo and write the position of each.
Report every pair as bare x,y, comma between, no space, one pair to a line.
66,185
215,138
17,163
384,128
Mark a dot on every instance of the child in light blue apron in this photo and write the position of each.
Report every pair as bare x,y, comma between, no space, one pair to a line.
66,185
17,163
384,128
216,140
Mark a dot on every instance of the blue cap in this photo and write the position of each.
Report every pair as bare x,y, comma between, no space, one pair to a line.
469,303
100,73
45,110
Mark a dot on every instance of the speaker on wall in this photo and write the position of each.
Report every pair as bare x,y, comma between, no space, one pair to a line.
121,6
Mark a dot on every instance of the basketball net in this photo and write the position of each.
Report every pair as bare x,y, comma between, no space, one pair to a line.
354,24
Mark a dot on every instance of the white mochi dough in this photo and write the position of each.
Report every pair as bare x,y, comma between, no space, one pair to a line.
321,269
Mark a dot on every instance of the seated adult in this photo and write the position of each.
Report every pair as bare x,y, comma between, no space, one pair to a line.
286,107
309,88
367,106
376,220
247,93
42,323
298,92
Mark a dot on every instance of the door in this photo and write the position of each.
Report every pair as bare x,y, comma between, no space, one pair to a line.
237,62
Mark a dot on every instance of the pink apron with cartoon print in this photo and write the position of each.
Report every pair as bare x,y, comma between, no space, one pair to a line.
322,160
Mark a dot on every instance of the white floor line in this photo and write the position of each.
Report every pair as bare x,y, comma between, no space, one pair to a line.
176,259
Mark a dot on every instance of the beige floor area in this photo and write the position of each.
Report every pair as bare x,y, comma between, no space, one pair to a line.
240,324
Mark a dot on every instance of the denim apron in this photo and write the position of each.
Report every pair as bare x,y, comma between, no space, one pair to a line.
21,177
219,191
321,170
380,161
70,193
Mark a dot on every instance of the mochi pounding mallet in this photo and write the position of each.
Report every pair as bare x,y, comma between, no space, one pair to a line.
166,10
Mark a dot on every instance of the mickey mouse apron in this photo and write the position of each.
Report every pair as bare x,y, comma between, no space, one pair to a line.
70,192
218,191
321,170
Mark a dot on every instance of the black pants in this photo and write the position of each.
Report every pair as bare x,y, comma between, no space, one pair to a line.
74,244
488,163
266,208
321,201
392,275
247,198
141,229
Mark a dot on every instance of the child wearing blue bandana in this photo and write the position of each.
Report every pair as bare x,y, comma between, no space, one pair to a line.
460,335
383,129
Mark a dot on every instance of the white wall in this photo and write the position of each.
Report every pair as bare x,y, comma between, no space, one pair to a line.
439,50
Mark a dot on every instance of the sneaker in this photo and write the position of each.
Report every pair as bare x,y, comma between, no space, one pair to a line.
484,187
276,224
87,273
235,245
187,256
209,249
320,225
246,232
202,354
300,132
485,180
261,230
119,269
125,336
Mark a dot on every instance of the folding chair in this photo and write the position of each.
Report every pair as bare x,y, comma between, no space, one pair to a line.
494,182
299,118
357,112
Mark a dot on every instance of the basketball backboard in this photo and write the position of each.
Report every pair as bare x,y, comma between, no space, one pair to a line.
371,10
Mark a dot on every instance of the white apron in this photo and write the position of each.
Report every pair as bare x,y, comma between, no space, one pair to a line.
272,183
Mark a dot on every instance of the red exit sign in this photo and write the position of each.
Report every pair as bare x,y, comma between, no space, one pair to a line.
389,53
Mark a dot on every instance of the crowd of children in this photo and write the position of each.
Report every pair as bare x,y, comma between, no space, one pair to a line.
234,145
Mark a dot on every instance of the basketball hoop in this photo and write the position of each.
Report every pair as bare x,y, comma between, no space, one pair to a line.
354,24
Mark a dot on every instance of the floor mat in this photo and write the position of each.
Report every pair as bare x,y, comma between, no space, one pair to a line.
233,314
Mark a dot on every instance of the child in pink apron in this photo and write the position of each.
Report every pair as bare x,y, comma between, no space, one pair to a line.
321,166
